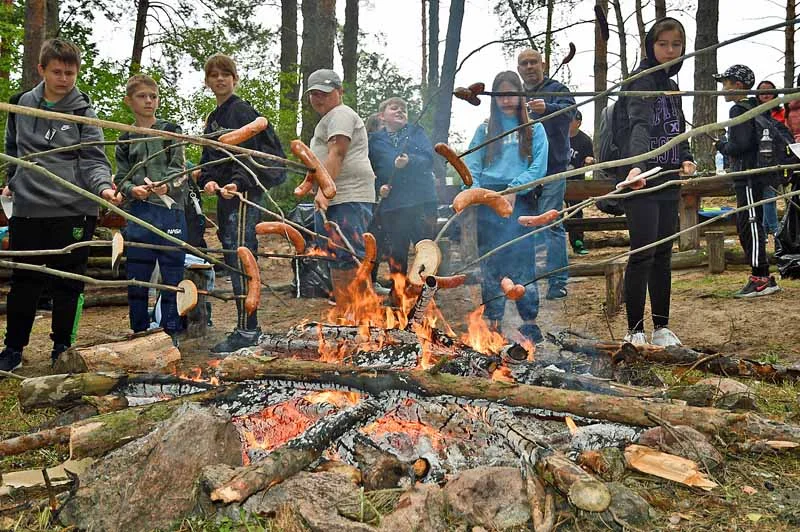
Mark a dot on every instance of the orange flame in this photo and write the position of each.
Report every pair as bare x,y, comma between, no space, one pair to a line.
480,337
502,374
414,429
335,398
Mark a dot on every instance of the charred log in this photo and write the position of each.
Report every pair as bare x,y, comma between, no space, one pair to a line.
626,410
379,469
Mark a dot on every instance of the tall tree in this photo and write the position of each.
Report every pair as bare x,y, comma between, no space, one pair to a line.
705,65
788,56
441,118
350,53
290,87
640,26
661,9
424,63
623,44
433,47
319,36
548,37
138,35
51,19
600,67
35,11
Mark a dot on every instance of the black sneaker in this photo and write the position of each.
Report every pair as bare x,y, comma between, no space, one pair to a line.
56,352
238,339
554,293
758,286
10,359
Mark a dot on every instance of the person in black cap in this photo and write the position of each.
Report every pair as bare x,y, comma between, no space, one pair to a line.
741,146
581,153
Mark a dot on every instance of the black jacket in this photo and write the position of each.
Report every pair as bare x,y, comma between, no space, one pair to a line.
233,114
741,145
644,124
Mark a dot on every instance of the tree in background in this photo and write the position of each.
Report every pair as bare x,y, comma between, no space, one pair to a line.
350,54
705,66
600,61
319,36
289,71
788,56
34,37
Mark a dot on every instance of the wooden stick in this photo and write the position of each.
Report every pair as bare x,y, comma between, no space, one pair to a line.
642,94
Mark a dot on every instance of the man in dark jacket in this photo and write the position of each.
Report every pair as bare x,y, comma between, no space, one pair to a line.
47,215
741,146
551,196
402,158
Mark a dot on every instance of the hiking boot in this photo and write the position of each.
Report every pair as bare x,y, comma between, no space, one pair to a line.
758,286
579,248
236,340
555,293
532,332
10,359
635,338
664,337
56,352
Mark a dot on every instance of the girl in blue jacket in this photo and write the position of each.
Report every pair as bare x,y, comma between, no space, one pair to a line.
517,159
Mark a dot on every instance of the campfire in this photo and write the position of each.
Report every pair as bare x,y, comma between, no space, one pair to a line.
391,401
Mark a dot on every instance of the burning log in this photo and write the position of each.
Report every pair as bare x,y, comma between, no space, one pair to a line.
293,457
678,355
417,312
149,352
379,469
626,410
70,389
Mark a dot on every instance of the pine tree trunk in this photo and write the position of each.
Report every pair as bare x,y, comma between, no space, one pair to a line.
705,107
640,27
290,87
441,119
661,9
35,11
548,38
623,38
788,56
138,36
424,62
600,68
350,54
51,19
433,52
319,33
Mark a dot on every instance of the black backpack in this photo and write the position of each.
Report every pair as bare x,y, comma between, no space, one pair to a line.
607,149
781,137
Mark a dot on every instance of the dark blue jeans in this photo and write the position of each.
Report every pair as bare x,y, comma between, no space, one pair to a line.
237,227
141,262
353,219
516,261
554,238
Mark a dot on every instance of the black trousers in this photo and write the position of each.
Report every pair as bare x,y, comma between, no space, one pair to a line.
401,227
750,226
575,234
649,219
27,286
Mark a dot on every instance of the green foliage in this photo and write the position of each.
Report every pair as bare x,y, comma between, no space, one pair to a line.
380,79
11,33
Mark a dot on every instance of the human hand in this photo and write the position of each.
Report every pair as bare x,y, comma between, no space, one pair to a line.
160,189
588,160
140,192
6,191
688,168
320,201
401,161
110,196
631,181
537,106
228,191
211,187
384,191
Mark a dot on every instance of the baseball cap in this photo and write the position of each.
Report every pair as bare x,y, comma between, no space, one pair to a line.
324,80
738,73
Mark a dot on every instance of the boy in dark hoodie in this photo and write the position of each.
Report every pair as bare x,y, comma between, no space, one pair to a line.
643,124
741,146
237,220
161,206
551,195
46,215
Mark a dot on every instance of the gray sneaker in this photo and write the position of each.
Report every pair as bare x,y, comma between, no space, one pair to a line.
635,338
664,337
237,340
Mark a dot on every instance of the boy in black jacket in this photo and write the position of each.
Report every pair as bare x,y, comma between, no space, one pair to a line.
741,146
236,219
47,215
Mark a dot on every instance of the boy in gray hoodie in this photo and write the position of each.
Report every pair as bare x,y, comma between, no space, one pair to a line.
46,215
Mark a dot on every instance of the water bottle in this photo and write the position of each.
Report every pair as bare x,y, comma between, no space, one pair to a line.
719,162
765,149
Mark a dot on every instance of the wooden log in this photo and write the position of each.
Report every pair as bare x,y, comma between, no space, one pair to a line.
726,365
541,502
379,469
293,457
668,466
37,440
151,352
688,217
197,318
615,285
626,410
715,246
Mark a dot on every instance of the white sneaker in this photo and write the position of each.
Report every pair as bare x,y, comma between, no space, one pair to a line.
665,338
635,338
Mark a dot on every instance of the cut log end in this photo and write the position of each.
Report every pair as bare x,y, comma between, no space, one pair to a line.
590,495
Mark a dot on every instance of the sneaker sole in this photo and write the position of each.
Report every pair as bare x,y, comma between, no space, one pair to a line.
15,367
765,292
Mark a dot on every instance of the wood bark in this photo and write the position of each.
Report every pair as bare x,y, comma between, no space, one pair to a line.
548,37
600,70
293,457
290,87
640,26
424,63
52,24
37,440
148,353
623,38
541,502
138,36
433,47
350,54
728,366
617,409
705,107
661,9
379,469
35,17
7,10
441,118
788,53
319,34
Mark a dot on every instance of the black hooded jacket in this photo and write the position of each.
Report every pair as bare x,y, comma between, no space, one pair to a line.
648,123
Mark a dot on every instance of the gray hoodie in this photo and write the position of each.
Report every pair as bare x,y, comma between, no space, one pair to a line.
35,195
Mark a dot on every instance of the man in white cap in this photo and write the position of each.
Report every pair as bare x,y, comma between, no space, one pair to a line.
340,142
